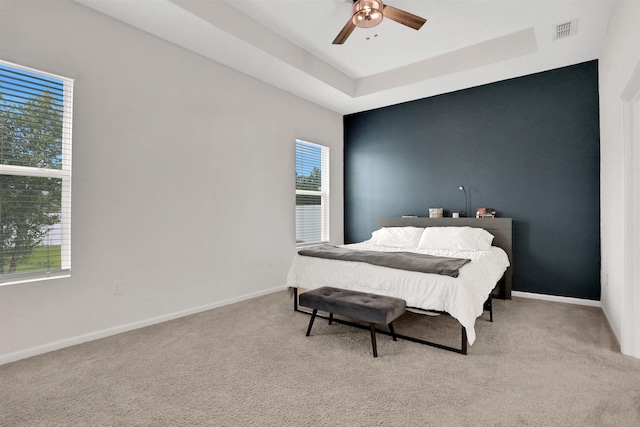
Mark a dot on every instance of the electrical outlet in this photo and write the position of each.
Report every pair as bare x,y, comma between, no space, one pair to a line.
117,287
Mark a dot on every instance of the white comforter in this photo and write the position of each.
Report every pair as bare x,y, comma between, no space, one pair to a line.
462,297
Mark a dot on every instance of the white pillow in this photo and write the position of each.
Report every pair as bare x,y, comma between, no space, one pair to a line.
456,238
397,237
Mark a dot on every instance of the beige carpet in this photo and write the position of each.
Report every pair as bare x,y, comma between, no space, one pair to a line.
249,364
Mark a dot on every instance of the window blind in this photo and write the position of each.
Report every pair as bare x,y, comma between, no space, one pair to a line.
312,193
35,174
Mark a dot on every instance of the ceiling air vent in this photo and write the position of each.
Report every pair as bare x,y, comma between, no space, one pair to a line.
565,30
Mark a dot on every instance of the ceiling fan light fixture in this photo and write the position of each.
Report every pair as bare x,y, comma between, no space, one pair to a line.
367,13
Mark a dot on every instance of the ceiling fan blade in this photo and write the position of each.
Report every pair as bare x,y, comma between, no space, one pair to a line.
345,33
402,17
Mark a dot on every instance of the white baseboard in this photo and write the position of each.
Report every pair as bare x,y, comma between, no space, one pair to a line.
566,300
68,342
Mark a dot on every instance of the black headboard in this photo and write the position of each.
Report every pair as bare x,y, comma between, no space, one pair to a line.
501,228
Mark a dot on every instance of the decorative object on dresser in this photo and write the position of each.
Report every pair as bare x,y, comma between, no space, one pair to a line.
485,213
435,212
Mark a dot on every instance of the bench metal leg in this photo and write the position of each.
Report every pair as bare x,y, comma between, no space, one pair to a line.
373,340
463,350
330,318
488,305
313,317
393,333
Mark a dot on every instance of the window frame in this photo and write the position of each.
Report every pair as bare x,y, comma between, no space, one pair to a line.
323,193
64,174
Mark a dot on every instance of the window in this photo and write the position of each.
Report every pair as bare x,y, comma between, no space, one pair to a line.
35,174
312,193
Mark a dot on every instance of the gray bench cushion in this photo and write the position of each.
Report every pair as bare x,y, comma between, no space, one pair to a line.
370,308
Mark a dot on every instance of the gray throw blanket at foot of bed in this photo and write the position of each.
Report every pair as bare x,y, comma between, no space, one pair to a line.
401,260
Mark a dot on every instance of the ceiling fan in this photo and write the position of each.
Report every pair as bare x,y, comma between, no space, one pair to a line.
369,13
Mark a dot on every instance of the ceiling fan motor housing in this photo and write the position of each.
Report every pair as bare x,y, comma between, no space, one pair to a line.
367,13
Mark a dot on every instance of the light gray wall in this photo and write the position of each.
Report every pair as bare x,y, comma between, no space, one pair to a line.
620,56
183,179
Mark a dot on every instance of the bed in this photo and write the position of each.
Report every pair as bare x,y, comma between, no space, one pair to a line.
463,297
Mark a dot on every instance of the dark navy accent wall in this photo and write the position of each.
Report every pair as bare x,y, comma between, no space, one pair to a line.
528,147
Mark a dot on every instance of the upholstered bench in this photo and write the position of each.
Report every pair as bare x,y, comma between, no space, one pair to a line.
371,308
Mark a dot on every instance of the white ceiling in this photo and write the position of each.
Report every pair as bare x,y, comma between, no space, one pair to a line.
287,43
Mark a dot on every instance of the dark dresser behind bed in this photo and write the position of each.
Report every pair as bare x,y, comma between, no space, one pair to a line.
501,228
